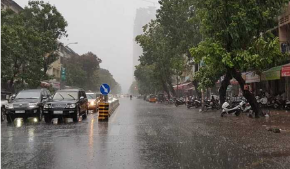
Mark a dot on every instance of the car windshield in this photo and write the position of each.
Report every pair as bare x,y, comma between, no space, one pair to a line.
65,95
28,95
91,96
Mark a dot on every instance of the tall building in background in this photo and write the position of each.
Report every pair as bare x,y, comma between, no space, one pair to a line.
10,4
143,16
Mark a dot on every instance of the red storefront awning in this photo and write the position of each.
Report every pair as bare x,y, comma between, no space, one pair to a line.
182,86
285,71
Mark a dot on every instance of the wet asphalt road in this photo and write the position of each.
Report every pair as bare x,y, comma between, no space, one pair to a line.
145,135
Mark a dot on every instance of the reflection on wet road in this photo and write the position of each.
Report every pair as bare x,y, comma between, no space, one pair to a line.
138,135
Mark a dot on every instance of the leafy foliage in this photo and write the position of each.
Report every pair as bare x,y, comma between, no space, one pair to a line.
236,36
84,71
28,38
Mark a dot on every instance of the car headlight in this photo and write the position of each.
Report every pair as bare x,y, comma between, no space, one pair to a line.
32,105
71,106
47,106
9,106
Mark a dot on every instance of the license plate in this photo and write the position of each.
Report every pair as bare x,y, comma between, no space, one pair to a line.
57,112
20,111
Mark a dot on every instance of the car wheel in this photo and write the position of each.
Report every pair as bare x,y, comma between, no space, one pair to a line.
10,118
76,115
47,118
40,114
2,114
85,114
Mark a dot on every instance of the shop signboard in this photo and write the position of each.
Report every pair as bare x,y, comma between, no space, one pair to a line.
285,70
252,77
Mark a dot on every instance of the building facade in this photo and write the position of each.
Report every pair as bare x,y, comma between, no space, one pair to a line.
55,67
284,30
143,16
10,4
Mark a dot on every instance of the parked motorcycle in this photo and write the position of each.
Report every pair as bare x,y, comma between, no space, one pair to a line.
211,104
197,103
179,102
262,101
287,105
190,103
227,109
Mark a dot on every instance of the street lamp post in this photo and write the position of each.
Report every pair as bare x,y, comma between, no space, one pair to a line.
62,69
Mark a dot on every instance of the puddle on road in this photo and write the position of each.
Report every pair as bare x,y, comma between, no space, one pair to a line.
19,122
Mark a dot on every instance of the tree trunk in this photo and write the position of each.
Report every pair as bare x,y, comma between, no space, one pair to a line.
165,88
171,89
224,85
11,84
246,93
195,84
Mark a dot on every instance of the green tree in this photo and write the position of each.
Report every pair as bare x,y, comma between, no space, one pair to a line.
182,29
148,81
29,42
50,25
104,76
82,71
236,38
156,52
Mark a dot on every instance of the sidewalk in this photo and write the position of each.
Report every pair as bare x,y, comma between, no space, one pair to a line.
277,119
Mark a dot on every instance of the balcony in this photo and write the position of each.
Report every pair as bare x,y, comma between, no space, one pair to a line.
284,20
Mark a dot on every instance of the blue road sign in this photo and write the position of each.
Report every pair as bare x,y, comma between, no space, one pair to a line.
105,89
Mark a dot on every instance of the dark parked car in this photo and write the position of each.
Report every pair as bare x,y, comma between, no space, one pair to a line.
5,96
27,103
70,103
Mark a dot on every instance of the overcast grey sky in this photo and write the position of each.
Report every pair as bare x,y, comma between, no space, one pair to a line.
104,27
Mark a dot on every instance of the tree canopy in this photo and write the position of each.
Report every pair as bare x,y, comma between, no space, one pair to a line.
29,42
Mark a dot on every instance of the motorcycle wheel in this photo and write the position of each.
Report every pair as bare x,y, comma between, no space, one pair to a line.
188,106
237,113
176,104
276,106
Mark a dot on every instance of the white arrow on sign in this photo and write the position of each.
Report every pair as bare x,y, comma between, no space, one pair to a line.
105,89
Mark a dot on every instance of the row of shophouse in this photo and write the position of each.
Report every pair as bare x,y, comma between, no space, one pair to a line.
274,81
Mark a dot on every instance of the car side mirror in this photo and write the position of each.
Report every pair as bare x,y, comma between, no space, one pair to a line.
13,97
